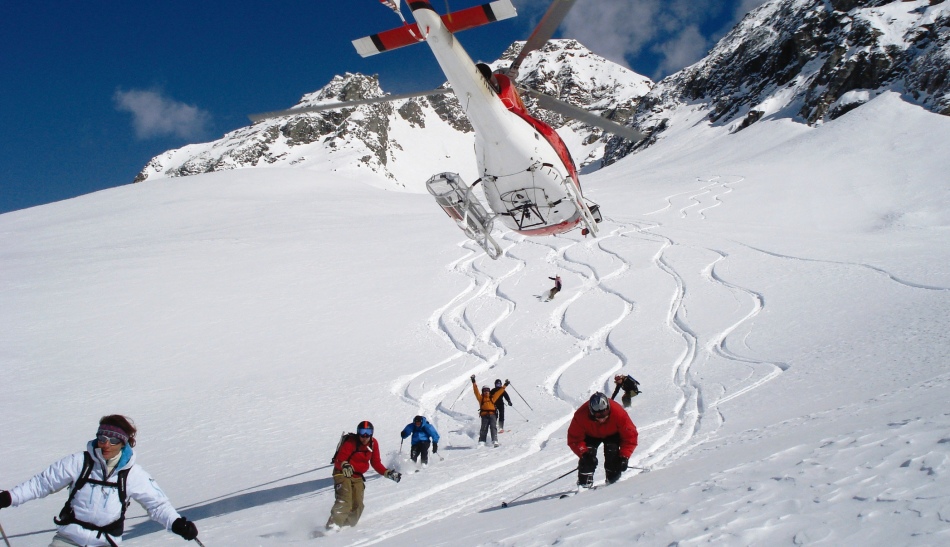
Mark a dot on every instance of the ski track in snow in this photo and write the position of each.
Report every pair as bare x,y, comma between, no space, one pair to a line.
468,323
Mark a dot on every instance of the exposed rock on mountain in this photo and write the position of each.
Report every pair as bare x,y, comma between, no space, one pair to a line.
810,60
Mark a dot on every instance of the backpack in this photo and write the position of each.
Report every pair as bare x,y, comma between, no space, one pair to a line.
343,437
68,516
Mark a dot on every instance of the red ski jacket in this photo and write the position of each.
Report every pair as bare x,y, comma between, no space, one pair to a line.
582,425
359,456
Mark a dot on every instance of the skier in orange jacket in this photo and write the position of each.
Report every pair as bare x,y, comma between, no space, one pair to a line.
486,410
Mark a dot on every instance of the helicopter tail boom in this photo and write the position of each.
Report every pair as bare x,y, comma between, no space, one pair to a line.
458,21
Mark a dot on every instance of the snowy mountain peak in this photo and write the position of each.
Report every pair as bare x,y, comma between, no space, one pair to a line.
405,141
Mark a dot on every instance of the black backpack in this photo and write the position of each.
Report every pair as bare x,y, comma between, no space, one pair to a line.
343,438
68,516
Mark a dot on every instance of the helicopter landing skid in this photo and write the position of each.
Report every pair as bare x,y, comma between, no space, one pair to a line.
457,200
587,216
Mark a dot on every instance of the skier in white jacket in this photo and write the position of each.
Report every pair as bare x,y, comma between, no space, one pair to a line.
94,514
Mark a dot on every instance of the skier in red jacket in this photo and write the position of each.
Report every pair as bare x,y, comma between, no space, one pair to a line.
356,454
597,421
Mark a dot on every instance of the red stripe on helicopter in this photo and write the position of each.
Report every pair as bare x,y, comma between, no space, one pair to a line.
456,22
512,100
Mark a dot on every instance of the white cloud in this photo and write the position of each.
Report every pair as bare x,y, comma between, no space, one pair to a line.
677,31
684,49
154,115
615,29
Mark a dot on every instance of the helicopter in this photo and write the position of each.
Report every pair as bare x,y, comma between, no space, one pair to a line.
527,174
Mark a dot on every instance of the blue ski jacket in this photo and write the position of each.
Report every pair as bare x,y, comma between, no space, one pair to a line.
422,433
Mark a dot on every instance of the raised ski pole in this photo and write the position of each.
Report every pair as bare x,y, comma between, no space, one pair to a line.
505,503
4,534
459,397
519,395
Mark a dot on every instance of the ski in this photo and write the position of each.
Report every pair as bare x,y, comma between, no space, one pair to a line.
577,491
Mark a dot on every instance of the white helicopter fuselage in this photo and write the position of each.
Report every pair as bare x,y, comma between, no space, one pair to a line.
525,180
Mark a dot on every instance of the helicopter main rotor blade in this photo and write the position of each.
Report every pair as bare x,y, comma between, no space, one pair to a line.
571,111
349,104
542,33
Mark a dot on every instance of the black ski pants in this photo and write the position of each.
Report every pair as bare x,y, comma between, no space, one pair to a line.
588,464
420,449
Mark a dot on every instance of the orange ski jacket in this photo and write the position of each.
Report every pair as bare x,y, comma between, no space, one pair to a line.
487,402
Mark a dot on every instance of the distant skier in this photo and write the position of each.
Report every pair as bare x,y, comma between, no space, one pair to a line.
597,421
556,288
423,435
486,410
630,387
500,407
355,455
100,481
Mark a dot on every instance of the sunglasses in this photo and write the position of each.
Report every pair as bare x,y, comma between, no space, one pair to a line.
103,439
601,414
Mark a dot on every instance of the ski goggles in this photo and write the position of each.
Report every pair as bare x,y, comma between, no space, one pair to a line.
111,435
365,432
601,414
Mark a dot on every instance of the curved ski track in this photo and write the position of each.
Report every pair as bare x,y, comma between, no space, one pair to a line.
602,266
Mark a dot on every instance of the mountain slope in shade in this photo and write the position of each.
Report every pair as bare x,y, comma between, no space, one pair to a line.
811,61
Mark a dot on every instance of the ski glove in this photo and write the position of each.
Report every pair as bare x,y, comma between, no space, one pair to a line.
347,469
393,475
185,529
473,378
435,447
624,464
5,499
506,382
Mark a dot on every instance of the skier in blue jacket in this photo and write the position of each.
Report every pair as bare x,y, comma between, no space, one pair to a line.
423,434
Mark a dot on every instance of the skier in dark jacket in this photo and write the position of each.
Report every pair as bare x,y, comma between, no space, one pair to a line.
500,407
356,454
597,421
423,434
630,387
556,288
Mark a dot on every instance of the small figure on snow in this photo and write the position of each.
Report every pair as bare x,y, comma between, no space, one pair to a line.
630,387
601,421
556,288
486,410
500,407
423,435
356,453
101,480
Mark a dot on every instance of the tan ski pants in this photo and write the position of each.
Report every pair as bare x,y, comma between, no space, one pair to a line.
348,507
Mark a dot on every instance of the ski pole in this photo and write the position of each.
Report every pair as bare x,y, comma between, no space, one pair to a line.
4,534
459,397
198,541
505,503
522,415
400,444
519,395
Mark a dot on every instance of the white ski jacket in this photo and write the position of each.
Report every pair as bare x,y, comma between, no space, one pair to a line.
96,504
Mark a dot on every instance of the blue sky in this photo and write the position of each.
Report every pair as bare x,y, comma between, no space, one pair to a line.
91,91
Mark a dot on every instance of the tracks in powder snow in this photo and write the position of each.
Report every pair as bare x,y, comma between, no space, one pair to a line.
638,298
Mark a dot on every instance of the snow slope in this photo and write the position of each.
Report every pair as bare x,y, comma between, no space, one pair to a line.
782,294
